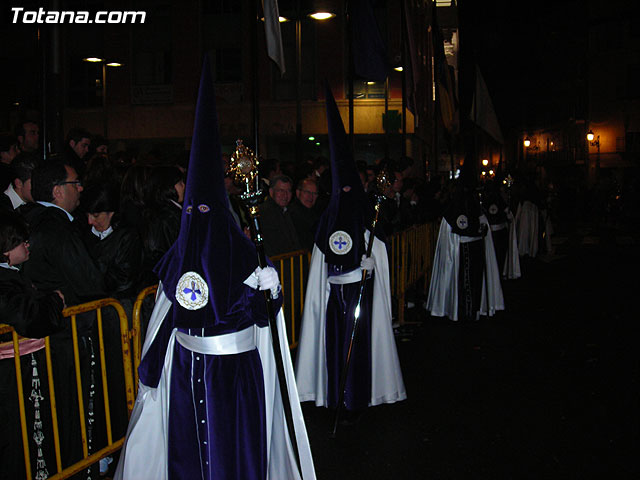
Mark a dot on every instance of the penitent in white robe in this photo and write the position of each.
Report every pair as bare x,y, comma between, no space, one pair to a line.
443,288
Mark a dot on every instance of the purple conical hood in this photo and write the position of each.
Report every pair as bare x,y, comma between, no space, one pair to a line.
348,211
210,244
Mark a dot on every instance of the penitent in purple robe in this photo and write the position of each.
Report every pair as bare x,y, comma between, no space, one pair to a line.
208,403
210,390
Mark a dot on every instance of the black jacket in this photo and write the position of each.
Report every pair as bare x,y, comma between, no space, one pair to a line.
305,221
279,233
119,258
59,258
32,313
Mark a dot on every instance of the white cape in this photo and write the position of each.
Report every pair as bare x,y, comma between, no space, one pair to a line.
511,267
443,288
387,385
145,451
527,225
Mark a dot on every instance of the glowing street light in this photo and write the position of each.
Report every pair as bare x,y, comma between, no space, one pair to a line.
105,64
322,15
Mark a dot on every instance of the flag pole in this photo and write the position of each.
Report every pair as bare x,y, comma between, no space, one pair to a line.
352,137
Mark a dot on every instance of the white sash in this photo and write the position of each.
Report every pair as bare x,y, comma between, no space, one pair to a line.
227,344
465,239
352,277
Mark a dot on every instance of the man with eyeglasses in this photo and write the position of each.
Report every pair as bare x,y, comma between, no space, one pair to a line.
277,226
59,258
304,212
60,261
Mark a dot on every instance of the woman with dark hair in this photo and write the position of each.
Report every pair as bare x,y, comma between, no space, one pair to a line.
35,315
162,213
117,248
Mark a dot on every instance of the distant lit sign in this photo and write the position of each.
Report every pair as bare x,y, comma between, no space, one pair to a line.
151,94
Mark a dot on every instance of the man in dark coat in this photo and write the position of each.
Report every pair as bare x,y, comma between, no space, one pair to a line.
305,212
60,261
59,258
279,232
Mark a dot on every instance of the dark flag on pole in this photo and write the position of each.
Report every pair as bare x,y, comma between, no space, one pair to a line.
409,58
272,33
369,52
445,81
482,111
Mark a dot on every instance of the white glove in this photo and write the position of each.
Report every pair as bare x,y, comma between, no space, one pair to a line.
367,263
268,280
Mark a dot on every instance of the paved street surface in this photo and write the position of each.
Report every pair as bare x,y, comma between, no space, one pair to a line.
547,389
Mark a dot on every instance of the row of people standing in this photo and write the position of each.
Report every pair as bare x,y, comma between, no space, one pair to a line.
83,245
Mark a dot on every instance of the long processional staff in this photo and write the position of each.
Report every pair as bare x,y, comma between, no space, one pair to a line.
209,404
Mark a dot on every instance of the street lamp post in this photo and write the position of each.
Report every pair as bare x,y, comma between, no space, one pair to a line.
594,141
299,17
105,64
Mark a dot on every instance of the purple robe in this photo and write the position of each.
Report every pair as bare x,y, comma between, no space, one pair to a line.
340,307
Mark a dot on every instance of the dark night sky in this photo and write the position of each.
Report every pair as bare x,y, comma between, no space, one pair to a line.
531,54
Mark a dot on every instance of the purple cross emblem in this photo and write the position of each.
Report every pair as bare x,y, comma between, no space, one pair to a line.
340,242
193,291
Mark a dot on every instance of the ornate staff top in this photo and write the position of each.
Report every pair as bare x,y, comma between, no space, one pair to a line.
244,166
508,181
383,181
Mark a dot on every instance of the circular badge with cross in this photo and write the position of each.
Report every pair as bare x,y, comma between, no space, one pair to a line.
192,291
340,242
493,209
462,222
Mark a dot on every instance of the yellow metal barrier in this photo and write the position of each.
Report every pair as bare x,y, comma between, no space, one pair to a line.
136,333
112,446
411,259
293,268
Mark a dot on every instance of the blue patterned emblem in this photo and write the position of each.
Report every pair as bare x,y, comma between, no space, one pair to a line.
192,291
462,222
340,242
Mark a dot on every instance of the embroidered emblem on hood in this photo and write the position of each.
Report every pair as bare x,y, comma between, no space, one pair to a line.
340,242
462,222
192,291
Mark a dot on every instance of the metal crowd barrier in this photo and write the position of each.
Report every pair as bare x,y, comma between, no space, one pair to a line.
112,445
137,332
411,260
293,268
